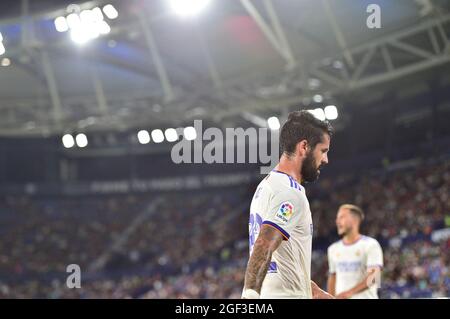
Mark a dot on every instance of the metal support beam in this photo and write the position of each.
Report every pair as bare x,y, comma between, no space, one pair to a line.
433,40
338,33
99,92
25,34
411,49
387,58
268,32
444,36
321,75
364,63
427,59
212,68
279,31
384,77
52,87
156,57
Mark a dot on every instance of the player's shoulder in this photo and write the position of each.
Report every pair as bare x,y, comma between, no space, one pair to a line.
369,241
283,182
335,245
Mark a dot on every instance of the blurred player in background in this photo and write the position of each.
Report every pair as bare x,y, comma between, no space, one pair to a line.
355,262
280,225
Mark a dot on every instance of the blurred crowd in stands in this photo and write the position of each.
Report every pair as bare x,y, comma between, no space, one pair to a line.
194,244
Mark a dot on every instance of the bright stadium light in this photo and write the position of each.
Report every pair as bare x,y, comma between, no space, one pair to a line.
190,133
86,16
143,137
61,24
318,113
68,141
188,7
73,21
97,14
2,47
6,62
110,11
331,112
80,35
103,27
171,135
318,98
87,25
273,123
81,140
157,136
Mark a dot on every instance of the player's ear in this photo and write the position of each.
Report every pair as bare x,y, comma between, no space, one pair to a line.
302,148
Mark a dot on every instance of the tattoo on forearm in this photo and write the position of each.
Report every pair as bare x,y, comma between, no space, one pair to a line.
268,240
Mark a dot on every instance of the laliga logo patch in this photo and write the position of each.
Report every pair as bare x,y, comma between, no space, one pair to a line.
285,212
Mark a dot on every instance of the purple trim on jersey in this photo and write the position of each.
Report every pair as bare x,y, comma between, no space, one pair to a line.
377,265
293,182
362,236
285,233
272,267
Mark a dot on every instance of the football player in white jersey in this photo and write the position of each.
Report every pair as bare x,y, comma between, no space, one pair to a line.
354,262
280,226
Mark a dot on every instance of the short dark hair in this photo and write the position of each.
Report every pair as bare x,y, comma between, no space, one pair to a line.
355,210
302,125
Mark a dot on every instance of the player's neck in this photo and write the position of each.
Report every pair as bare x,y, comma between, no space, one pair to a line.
351,238
289,167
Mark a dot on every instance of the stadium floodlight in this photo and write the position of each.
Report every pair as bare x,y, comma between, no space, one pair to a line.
87,16
73,21
2,47
190,133
81,140
331,112
171,135
97,14
86,25
157,136
68,141
318,98
318,113
80,35
6,62
110,11
61,24
103,27
273,123
188,7
143,137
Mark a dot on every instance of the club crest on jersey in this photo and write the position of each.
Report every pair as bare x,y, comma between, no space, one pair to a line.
285,212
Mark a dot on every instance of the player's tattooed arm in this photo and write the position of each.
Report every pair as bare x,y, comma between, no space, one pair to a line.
268,241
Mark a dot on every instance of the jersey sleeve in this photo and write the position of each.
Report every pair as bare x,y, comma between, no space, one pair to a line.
374,255
284,212
331,263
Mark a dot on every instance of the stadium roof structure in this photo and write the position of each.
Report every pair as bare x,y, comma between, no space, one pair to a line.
236,58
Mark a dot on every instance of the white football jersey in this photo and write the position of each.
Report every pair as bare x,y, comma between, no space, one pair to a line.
351,262
280,202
